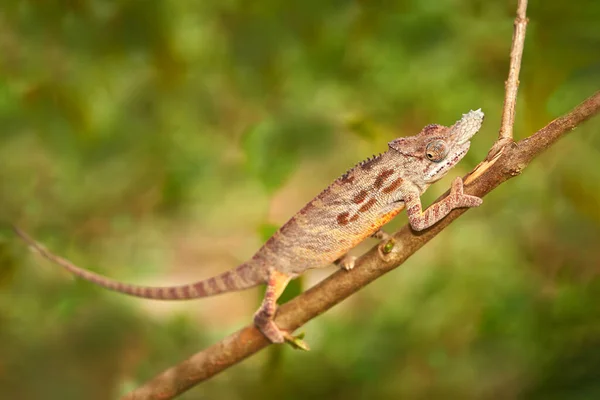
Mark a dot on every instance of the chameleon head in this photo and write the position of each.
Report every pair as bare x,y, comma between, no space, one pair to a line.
436,149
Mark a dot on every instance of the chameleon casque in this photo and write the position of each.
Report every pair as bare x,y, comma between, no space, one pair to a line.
354,207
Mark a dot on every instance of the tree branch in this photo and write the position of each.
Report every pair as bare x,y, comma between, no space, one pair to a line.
512,83
340,285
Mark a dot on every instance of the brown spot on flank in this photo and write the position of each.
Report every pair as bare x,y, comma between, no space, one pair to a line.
367,205
173,293
383,175
354,218
342,218
396,183
360,197
186,291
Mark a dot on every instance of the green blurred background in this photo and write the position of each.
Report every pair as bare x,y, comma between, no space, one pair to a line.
159,142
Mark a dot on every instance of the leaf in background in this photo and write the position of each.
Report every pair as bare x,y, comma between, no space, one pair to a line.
266,230
275,146
362,126
8,262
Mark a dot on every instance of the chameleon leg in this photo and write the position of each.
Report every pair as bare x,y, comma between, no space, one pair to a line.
420,219
263,318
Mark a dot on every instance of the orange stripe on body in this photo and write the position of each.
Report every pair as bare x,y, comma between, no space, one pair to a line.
384,219
355,240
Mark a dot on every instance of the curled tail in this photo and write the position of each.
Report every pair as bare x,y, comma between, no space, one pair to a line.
244,276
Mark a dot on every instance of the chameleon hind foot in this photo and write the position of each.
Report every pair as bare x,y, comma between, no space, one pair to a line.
269,328
263,318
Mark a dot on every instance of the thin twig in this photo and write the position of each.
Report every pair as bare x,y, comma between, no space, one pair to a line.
512,83
369,267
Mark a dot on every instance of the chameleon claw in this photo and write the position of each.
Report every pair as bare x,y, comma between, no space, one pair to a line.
296,341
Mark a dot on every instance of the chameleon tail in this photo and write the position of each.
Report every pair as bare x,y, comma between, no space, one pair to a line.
244,276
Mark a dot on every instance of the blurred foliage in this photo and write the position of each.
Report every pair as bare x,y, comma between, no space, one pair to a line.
156,135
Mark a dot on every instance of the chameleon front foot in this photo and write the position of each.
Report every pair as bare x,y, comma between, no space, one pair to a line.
269,328
459,198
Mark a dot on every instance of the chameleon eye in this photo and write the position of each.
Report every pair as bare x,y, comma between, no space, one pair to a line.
436,150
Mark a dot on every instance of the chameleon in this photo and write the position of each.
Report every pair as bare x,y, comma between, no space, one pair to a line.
354,207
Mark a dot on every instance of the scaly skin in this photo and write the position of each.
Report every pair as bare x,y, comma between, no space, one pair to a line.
351,209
